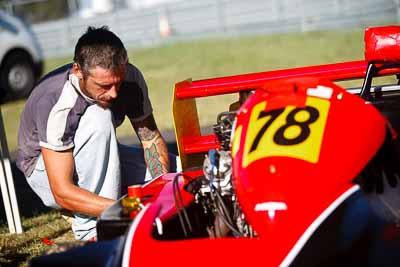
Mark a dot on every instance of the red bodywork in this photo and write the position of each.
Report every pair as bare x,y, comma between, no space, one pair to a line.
382,44
287,178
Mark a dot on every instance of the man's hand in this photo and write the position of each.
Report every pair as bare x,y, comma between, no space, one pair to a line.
60,171
154,146
384,165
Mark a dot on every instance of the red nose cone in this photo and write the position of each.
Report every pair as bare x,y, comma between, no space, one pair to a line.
135,191
297,148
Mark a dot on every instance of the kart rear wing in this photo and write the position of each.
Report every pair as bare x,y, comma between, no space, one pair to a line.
192,144
225,85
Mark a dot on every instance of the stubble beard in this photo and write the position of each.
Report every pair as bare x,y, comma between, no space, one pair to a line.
104,103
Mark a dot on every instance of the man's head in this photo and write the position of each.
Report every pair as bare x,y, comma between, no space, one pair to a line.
99,62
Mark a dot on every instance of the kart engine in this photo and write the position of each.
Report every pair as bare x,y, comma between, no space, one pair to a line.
215,193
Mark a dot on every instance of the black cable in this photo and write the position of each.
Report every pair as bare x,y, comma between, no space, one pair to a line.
236,210
224,208
231,227
178,208
224,212
181,208
237,214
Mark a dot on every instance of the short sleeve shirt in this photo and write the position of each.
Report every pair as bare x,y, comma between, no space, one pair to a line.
53,111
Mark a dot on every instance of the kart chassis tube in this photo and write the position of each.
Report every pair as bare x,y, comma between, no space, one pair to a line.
231,84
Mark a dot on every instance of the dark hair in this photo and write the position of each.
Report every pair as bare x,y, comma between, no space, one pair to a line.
99,47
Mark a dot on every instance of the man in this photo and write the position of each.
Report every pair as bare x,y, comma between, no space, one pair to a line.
67,147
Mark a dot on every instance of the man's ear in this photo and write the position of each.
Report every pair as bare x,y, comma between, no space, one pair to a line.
77,71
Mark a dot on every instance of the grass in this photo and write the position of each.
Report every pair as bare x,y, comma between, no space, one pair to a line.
16,249
163,67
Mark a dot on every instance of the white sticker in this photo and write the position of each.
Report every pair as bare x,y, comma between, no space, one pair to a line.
321,92
271,207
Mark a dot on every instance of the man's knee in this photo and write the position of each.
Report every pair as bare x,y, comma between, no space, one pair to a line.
95,123
96,114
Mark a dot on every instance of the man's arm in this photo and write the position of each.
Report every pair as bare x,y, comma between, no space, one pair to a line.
154,146
60,170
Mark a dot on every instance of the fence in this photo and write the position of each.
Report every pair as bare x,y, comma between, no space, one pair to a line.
194,19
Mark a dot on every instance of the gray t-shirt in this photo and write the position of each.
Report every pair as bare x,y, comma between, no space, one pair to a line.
53,110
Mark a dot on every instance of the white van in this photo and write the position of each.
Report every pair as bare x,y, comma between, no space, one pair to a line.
21,58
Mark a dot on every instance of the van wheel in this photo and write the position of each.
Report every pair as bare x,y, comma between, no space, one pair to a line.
17,76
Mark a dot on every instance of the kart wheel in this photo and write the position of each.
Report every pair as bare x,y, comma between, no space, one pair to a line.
17,76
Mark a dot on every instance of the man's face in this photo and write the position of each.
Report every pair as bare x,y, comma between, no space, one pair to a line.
101,84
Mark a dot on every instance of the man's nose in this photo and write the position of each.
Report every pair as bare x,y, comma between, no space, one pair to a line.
113,92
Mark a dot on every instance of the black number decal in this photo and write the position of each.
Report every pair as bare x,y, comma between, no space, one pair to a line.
274,114
279,137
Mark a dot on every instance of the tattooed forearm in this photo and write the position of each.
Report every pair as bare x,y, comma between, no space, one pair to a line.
145,134
146,129
155,148
152,158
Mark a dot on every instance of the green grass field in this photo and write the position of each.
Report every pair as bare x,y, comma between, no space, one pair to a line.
163,67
